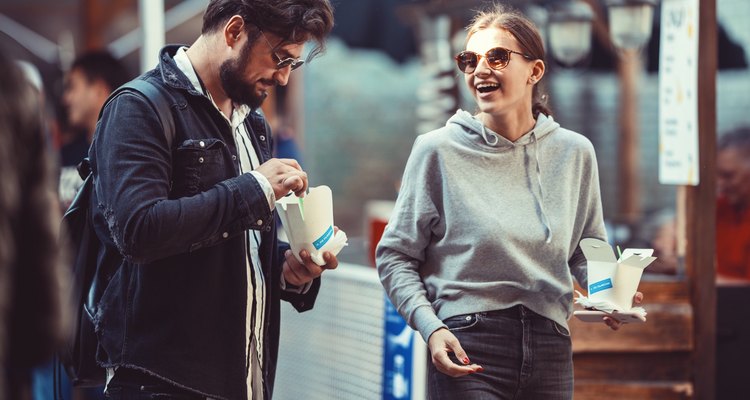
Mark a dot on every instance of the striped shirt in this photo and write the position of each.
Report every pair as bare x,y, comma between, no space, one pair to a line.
257,292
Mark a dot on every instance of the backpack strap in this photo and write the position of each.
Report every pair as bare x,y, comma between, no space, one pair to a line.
78,356
156,96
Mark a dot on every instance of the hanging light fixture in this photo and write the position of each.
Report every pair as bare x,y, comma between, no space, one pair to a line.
569,31
630,22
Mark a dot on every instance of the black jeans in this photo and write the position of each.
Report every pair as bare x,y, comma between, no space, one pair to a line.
129,384
524,356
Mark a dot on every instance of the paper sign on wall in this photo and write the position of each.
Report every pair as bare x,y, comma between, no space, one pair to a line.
678,93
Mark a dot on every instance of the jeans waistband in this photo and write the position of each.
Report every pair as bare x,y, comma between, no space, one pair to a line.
128,377
517,312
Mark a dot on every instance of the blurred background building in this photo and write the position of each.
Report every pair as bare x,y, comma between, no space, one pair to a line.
360,106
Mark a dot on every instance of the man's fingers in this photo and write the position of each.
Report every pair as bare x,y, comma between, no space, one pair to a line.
292,182
331,261
295,181
290,162
292,270
284,175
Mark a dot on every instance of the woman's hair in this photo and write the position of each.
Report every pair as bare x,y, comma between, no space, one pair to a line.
33,306
296,21
527,35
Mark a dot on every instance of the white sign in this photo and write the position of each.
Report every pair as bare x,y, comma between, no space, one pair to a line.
678,93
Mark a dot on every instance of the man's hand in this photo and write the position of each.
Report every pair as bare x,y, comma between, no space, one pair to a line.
443,341
284,175
299,274
615,324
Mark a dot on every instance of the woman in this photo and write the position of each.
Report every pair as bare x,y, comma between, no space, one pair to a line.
34,316
479,253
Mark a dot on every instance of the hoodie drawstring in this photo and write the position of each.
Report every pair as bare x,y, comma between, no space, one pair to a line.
486,137
540,199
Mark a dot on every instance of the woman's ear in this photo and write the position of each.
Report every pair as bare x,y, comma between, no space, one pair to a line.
233,29
537,72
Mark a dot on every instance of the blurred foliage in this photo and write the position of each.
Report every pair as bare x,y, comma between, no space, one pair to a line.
359,127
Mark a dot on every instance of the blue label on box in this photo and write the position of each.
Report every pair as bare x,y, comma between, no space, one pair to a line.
323,239
599,286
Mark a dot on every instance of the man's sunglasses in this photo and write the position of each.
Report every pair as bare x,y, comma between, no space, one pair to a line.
497,58
286,62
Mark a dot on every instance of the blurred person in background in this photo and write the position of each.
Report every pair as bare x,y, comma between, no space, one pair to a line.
733,206
658,230
192,309
483,243
88,83
33,310
91,79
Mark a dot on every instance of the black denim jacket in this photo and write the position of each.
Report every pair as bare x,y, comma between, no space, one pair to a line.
173,221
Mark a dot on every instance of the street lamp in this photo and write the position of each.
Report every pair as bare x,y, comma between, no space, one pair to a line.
630,22
569,31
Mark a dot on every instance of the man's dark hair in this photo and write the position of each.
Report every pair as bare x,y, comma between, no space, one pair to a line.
296,21
738,138
100,65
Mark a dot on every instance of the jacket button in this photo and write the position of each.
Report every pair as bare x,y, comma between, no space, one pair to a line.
225,235
234,158
259,222
202,143
200,160
262,138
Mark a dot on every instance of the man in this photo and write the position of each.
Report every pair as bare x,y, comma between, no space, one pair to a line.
192,308
92,77
733,206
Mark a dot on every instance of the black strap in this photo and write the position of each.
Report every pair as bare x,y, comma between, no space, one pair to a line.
158,99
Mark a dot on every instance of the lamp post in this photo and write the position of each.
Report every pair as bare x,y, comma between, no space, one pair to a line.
569,31
630,22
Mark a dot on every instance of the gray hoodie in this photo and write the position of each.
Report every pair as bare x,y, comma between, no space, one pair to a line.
482,223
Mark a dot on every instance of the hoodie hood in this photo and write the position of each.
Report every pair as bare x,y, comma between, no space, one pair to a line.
481,136
485,137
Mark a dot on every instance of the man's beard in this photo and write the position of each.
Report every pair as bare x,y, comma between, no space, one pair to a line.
237,89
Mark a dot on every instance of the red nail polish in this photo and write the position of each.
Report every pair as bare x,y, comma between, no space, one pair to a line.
466,360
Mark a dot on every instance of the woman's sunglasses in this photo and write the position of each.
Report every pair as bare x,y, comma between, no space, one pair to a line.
497,58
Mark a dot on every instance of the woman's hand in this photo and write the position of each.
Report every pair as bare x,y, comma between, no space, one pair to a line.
442,342
615,324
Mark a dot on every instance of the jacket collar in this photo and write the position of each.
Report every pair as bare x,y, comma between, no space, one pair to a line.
171,74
